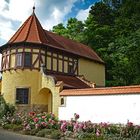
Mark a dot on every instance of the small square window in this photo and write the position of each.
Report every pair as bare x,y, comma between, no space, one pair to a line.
22,95
63,101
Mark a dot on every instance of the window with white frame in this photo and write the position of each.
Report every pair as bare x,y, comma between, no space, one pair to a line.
19,59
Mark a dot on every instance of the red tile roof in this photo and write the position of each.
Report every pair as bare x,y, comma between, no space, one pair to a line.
102,91
71,82
74,47
32,32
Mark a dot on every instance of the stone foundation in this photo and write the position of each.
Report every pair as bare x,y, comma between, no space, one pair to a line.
34,107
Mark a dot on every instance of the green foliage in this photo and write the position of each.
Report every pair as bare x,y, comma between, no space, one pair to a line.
102,13
34,131
55,134
43,132
5,108
73,30
112,29
13,127
89,136
49,133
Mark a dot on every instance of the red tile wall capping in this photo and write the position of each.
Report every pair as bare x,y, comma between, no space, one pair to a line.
102,91
32,31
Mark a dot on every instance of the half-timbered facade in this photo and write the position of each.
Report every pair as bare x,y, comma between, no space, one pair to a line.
31,57
37,64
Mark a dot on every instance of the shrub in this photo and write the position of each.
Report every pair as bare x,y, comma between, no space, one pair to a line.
8,126
17,127
55,134
89,136
5,109
34,131
2,106
46,125
41,133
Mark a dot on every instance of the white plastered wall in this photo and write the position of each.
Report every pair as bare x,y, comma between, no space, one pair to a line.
103,108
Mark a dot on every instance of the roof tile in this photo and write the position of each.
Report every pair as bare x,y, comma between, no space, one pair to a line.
71,82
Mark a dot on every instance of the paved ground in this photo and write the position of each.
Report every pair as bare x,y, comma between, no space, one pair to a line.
7,135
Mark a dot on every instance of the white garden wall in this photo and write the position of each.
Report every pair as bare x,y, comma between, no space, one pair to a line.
103,108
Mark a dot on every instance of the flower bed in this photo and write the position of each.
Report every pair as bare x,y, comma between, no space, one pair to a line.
47,125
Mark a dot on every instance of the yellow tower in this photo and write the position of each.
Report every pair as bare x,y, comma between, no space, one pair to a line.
38,64
22,56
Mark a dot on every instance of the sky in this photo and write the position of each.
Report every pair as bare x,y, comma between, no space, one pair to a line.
49,12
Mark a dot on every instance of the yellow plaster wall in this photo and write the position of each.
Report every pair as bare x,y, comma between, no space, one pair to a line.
60,65
92,71
54,64
19,79
36,82
12,63
48,82
0,86
49,63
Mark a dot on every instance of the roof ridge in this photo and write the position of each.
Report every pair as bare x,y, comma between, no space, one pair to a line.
29,28
36,29
37,25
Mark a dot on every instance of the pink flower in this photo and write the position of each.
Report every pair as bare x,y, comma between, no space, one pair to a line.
37,126
28,127
81,125
98,132
76,116
50,120
76,126
36,120
43,123
43,117
31,113
130,124
63,126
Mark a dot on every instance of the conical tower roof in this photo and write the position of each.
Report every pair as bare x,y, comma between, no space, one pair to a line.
30,31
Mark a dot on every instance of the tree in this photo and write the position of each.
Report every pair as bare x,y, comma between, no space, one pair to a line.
102,13
60,29
73,30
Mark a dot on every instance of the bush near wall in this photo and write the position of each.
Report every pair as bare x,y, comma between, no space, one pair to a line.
47,125
5,108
